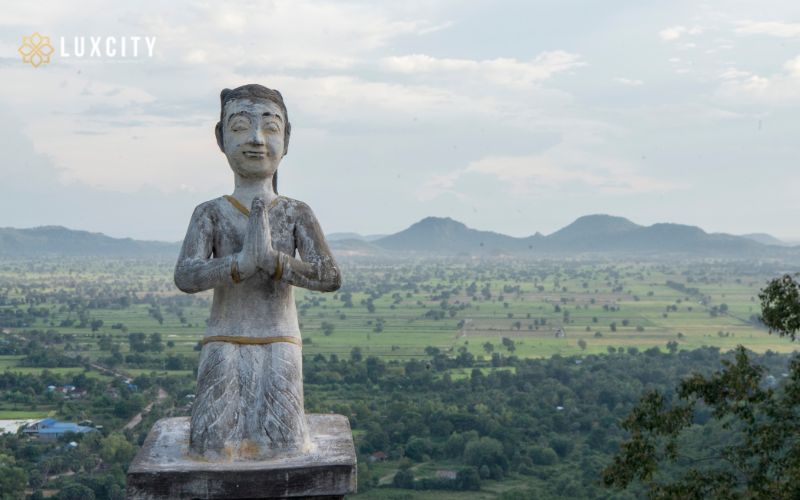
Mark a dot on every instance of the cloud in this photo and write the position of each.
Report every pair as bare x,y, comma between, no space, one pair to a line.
285,34
773,28
779,89
675,32
501,71
439,184
553,170
734,74
629,82
159,112
338,99
566,168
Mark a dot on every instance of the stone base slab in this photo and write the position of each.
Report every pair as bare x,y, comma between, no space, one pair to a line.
164,470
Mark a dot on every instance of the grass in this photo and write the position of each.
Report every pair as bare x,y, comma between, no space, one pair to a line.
528,303
23,414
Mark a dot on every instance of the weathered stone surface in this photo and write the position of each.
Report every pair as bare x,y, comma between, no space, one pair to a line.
164,467
249,401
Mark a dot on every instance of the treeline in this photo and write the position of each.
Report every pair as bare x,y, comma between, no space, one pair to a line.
80,466
552,422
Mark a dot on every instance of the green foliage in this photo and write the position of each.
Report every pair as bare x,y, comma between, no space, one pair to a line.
76,491
756,453
543,455
485,451
404,479
13,479
780,306
554,417
116,449
417,449
468,479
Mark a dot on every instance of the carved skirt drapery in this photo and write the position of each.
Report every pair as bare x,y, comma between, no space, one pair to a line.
249,401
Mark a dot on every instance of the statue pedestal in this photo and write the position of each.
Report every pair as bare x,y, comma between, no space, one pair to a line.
163,469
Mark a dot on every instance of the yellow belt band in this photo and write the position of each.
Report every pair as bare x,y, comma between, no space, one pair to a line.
251,340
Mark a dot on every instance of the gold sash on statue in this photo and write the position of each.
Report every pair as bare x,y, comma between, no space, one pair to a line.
251,340
246,211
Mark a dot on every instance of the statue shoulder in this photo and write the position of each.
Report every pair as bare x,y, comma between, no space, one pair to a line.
296,207
209,208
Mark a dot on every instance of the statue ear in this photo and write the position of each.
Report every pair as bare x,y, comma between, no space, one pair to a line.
286,138
218,133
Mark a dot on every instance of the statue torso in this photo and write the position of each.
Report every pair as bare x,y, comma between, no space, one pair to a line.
259,306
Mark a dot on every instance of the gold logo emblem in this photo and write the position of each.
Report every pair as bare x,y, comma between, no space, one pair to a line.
36,49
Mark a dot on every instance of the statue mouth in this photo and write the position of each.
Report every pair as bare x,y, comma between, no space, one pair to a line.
255,154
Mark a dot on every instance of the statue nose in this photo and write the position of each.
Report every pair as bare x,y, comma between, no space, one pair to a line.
257,137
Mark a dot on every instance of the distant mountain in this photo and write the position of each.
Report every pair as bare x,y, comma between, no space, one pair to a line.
352,247
352,236
445,235
58,240
591,234
765,239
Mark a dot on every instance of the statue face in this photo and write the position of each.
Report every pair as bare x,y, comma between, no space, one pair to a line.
252,137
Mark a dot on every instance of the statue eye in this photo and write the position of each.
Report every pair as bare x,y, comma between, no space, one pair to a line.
239,125
272,127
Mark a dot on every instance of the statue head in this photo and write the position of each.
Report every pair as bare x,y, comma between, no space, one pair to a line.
253,130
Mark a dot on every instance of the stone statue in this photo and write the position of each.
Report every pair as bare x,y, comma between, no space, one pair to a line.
249,401
249,435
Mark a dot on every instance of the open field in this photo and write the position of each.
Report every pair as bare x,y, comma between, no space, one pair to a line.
396,311
23,414
465,355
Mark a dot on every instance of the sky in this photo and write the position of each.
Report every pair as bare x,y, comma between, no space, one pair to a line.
509,116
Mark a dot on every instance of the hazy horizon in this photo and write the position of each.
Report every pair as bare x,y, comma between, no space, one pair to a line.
387,233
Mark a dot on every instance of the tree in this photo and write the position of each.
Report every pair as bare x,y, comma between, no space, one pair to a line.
485,451
543,455
13,479
582,344
137,342
672,347
780,306
105,342
116,449
758,455
404,479
417,448
155,342
75,491
468,479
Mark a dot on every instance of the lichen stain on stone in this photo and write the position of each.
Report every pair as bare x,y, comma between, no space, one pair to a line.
249,450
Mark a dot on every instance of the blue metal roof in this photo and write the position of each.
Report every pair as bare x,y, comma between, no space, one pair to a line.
65,427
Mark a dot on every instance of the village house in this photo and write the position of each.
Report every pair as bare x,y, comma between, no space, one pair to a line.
50,428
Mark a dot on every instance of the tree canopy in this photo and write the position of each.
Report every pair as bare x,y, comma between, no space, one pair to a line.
753,449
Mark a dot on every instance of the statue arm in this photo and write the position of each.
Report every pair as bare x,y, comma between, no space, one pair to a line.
196,270
317,270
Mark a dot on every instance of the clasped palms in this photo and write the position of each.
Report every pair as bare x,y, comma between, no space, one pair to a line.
257,252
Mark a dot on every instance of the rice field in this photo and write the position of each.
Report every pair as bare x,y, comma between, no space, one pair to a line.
399,310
